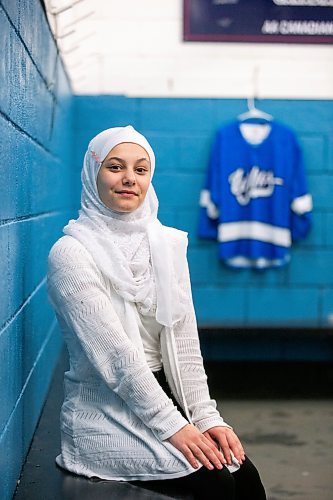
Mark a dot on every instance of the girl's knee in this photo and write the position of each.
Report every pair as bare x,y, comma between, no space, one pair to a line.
219,484
248,483
247,469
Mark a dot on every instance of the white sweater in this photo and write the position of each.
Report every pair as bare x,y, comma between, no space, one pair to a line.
116,419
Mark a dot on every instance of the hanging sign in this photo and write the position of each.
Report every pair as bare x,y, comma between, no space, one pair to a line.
290,21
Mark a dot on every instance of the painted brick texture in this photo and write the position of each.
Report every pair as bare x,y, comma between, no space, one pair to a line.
181,131
35,183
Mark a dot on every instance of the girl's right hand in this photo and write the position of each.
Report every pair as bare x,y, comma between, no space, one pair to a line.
195,446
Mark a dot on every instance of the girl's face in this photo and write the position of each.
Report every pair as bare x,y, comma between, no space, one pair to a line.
124,177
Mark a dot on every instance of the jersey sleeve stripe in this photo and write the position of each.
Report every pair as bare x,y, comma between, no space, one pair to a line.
206,202
302,204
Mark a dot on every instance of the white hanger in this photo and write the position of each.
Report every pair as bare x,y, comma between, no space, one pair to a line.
254,112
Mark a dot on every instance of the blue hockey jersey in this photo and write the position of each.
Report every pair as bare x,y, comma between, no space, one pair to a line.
255,201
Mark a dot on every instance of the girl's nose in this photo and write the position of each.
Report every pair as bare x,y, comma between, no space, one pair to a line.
129,177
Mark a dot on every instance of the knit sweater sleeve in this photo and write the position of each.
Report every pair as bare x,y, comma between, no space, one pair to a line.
79,296
202,408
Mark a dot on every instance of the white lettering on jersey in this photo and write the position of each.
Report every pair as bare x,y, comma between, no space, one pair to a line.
256,184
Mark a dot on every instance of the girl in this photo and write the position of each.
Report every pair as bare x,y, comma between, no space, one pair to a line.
137,405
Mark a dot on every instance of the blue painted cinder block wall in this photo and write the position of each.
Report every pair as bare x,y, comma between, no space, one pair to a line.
181,132
35,202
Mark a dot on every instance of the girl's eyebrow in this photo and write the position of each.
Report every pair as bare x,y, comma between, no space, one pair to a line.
124,161
116,158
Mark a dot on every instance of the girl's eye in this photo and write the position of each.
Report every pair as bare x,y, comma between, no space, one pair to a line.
114,167
141,170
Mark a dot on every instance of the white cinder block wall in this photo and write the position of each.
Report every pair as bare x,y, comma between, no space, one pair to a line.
145,55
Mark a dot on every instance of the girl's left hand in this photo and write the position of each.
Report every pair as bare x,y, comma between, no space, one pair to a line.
227,440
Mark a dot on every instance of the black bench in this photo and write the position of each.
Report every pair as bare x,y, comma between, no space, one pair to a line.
41,479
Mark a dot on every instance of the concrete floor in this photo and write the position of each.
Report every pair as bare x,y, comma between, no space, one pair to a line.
290,441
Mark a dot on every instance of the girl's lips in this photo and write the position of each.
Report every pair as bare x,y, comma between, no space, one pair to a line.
127,193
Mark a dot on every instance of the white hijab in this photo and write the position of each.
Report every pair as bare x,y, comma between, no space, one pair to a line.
113,238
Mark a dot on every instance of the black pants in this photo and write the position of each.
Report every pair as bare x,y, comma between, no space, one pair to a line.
244,484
